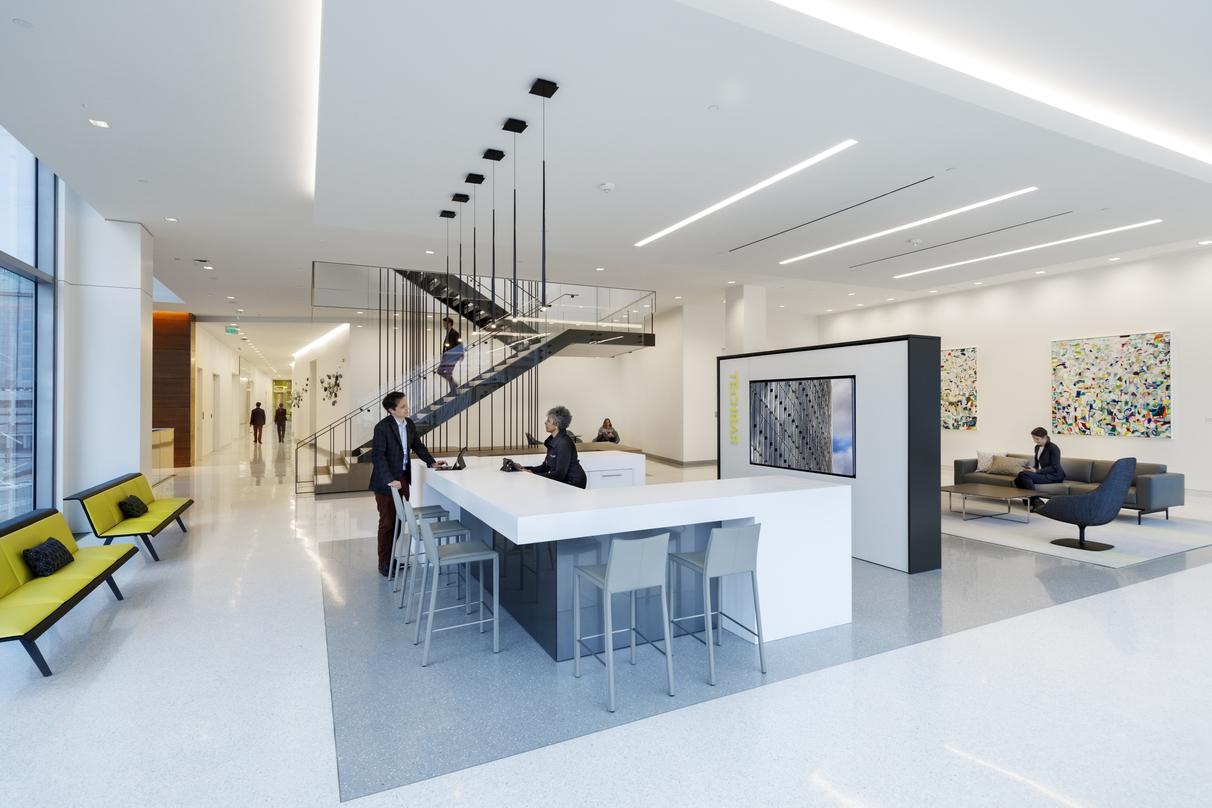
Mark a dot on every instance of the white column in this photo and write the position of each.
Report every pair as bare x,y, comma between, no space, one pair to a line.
105,349
744,319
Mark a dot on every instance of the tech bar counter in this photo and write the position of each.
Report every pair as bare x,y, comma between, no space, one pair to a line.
544,529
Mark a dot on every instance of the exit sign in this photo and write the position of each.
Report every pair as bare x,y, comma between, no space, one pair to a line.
231,329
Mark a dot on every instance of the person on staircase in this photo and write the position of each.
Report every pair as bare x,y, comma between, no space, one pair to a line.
452,353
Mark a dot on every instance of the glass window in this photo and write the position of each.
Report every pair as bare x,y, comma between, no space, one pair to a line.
18,170
17,369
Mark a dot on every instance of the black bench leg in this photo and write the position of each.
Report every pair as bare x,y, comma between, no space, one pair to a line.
107,541
1138,515
1167,514
182,524
114,587
36,655
147,543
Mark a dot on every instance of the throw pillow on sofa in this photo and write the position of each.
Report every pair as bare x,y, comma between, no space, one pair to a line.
132,507
984,460
47,558
1007,466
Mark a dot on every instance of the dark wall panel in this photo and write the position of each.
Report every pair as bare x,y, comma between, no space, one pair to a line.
173,379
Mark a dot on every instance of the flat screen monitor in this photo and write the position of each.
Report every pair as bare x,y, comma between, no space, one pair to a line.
803,424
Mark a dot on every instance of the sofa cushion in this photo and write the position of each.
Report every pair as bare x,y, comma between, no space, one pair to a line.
1150,468
984,460
1006,466
1099,469
1077,469
1082,488
53,525
46,558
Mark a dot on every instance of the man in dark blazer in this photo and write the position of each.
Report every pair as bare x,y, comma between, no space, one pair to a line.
394,436
1046,468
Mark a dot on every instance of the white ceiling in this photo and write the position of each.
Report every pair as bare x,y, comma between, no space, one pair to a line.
214,106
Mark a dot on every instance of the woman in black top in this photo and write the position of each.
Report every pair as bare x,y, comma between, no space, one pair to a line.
1046,468
561,463
452,352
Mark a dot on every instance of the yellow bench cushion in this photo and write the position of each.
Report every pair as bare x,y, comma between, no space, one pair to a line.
16,618
13,570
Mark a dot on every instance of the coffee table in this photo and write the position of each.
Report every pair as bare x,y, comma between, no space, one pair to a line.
1001,493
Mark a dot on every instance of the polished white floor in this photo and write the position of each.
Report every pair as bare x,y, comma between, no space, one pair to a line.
209,686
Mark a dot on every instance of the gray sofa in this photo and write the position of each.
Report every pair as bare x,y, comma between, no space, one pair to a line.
1153,489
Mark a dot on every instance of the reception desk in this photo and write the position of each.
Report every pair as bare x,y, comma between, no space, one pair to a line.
543,529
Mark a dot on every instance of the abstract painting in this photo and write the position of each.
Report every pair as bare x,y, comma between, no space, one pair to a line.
957,371
803,424
1114,386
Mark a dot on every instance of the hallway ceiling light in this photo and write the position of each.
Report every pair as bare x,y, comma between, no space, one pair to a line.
600,269
677,297
971,63
99,124
934,291
229,297
1205,243
429,252
752,189
207,266
731,282
1043,272
171,219
1069,240
320,341
978,283
828,311
239,311
850,294
360,312
936,217
860,305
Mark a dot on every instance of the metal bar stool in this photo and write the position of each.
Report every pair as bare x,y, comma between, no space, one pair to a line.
425,513
633,564
444,531
730,551
464,552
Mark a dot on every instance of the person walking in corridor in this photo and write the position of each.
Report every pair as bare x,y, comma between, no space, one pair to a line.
256,419
280,422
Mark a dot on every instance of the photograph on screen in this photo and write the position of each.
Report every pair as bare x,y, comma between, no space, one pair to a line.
803,424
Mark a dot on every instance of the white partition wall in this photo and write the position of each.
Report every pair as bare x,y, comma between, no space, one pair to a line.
889,457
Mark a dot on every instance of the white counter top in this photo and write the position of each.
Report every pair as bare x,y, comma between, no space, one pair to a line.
527,509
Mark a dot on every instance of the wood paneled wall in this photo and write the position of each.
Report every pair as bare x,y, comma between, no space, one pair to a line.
173,380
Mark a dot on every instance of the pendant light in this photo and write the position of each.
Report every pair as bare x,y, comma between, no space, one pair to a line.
544,89
516,127
495,155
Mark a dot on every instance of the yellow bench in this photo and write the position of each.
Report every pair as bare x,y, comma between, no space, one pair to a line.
108,522
29,605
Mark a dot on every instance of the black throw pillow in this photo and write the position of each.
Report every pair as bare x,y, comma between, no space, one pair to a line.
132,506
47,558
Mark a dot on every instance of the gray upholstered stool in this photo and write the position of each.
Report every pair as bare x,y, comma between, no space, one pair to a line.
447,555
633,564
447,530
425,513
730,551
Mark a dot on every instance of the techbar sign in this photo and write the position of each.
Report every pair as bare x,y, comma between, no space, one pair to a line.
733,412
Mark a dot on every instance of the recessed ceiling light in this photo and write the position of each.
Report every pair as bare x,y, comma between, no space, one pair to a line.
936,217
731,282
969,62
208,266
934,291
860,305
229,297
1040,272
647,306
781,306
677,297
978,283
828,310
429,252
359,325
850,294
889,300
1116,258
600,269
99,124
752,189
171,219
1069,240
1205,243
239,311
359,312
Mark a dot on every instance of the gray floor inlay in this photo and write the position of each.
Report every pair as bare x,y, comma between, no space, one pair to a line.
397,723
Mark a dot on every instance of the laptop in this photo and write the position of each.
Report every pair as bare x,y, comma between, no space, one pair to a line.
459,463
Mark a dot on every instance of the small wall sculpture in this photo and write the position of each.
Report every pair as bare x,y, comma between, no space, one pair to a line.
1116,386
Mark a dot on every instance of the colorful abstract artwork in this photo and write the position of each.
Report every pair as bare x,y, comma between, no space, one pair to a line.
957,371
1114,386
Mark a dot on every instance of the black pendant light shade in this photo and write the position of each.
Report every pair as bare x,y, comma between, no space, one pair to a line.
515,126
544,88
475,179
447,214
459,198
496,155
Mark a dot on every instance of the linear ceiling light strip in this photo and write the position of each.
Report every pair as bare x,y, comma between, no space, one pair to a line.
902,38
910,225
833,213
752,189
959,240
1069,240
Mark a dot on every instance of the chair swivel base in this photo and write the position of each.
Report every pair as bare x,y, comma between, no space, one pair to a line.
1078,544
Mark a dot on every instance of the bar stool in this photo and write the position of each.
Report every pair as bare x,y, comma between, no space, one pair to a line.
446,530
633,564
458,553
730,551
425,513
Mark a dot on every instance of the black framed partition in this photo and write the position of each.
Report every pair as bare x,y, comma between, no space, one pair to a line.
862,414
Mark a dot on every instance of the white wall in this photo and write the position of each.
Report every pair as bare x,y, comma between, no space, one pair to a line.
1013,325
651,384
329,356
218,355
103,367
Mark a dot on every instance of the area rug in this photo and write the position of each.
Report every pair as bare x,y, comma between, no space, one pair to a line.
1134,544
